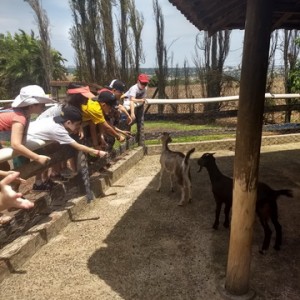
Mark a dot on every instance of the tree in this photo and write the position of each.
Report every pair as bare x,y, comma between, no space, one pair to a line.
271,68
108,38
161,53
290,56
95,45
294,75
21,61
215,49
123,41
86,37
43,25
187,83
136,25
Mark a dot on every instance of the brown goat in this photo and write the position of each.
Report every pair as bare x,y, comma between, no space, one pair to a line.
266,206
178,167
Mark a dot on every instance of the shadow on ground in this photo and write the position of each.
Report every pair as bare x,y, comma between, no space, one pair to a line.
161,251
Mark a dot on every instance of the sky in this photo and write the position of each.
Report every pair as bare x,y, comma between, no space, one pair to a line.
179,32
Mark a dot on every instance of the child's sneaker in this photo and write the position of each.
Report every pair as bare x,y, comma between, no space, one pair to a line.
68,173
43,187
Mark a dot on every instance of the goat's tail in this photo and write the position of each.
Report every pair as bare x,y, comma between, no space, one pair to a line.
287,193
187,157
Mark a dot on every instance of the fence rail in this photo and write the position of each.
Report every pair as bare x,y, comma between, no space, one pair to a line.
216,99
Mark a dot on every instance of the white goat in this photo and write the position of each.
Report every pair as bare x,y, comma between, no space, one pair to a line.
177,165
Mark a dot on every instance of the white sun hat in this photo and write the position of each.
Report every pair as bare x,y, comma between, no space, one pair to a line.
31,94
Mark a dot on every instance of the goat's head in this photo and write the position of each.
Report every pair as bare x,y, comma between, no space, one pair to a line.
205,160
165,138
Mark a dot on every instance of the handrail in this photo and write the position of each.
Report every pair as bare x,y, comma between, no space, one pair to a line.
34,144
216,99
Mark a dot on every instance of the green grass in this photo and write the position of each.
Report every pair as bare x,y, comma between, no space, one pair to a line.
160,126
170,125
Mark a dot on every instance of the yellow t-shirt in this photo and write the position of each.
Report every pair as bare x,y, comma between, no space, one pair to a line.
92,111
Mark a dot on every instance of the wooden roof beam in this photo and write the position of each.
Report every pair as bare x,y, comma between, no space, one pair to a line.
281,21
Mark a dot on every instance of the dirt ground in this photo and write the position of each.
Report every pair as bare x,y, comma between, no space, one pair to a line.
136,243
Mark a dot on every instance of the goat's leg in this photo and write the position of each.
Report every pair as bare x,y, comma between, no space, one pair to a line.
267,237
218,210
171,183
160,179
278,230
226,212
182,201
189,188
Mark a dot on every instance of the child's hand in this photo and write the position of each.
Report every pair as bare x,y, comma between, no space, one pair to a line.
81,133
8,197
121,138
43,159
129,120
127,133
132,118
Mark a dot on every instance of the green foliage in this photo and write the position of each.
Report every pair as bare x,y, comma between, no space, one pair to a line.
153,81
21,63
294,78
294,74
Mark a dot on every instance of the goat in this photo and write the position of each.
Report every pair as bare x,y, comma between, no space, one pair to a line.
177,165
266,206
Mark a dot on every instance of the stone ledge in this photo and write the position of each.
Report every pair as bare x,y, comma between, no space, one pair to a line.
15,254
225,144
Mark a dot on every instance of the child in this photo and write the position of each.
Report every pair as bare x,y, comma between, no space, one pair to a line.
14,122
118,87
135,98
59,129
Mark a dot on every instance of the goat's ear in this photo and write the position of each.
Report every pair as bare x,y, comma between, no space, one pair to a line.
213,153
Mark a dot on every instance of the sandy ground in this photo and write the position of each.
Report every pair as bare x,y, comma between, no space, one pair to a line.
135,243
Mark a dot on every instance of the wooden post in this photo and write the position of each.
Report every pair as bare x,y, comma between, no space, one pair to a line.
248,142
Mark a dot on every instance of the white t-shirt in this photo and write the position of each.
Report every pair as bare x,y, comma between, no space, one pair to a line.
135,92
47,130
52,111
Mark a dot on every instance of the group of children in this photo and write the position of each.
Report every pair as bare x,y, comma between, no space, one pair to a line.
63,123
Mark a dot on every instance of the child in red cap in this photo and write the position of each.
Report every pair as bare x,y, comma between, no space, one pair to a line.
135,98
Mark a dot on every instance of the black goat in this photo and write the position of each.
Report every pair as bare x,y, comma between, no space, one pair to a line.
266,206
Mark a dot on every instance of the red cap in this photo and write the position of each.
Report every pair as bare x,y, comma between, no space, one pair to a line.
143,78
84,91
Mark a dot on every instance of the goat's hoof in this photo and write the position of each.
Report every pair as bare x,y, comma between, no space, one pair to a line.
226,225
190,200
180,204
158,190
263,251
277,247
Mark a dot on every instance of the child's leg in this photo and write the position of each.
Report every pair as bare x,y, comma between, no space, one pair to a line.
139,120
132,106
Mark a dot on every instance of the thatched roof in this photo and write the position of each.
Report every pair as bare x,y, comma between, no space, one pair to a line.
215,15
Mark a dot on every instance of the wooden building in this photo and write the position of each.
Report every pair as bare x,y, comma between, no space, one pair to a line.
259,18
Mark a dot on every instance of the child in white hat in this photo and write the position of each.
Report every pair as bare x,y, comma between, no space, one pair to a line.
14,122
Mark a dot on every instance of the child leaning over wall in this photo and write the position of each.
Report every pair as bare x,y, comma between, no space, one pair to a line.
14,123
59,129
